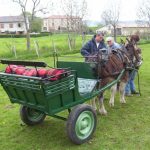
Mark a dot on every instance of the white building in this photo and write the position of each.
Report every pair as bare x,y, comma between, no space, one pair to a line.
12,24
60,23
125,29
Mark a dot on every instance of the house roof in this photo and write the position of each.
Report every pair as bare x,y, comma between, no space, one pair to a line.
62,17
8,19
124,25
131,25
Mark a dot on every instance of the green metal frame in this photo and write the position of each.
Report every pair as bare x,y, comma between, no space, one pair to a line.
51,97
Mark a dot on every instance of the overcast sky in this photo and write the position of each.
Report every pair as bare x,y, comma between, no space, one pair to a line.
128,8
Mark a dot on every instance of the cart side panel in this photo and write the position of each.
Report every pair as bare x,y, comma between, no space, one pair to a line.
26,97
61,101
24,91
84,69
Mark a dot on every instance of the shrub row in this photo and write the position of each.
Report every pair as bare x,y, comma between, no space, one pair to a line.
23,36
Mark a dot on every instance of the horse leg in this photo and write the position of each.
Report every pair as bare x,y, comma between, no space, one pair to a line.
122,92
113,93
102,109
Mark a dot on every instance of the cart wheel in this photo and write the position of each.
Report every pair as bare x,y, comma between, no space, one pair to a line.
81,123
31,116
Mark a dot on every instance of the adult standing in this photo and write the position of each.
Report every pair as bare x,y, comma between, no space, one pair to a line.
94,45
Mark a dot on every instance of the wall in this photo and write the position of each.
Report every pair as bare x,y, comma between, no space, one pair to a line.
15,28
133,30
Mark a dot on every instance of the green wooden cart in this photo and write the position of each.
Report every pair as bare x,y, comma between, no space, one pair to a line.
39,97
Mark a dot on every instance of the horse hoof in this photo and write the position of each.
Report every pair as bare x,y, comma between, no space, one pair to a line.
103,112
111,104
123,102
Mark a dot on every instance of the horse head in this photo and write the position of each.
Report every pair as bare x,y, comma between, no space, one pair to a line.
133,51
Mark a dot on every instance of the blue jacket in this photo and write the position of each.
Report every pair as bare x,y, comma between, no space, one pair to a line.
91,47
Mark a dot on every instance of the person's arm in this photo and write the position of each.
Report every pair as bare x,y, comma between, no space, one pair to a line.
86,49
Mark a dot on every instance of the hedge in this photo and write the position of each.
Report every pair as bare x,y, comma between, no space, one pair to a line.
23,36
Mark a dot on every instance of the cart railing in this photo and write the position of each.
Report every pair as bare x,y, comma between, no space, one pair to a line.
24,63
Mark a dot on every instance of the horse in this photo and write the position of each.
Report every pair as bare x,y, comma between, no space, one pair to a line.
110,66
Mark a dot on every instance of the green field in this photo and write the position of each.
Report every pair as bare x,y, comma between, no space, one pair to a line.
126,127
45,43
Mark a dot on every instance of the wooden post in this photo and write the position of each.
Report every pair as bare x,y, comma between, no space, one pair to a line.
36,48
14,50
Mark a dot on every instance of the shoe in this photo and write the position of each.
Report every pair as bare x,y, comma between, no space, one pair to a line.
128,95
135,92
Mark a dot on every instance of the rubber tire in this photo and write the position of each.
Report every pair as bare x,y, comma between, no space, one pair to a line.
71,122
26,119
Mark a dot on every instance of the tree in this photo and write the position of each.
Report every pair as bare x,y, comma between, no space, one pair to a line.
35,7
75,11
143,12
111,16
143,15
36,24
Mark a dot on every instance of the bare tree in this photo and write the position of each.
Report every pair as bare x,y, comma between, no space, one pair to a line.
143,15
143,12
111,16
75,11
35,8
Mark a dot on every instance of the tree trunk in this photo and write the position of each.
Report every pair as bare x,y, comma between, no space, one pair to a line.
69,42
115,34
28,40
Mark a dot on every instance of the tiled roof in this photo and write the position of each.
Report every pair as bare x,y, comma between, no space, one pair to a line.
61,17
7,19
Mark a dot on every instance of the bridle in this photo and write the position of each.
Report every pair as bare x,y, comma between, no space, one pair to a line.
131,46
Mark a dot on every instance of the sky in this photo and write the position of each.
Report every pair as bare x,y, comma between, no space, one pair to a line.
128,9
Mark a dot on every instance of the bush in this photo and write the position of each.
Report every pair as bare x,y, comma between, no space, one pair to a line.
23,36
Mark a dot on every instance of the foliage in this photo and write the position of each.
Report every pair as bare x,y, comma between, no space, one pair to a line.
36,22
23,36
36,25
91,30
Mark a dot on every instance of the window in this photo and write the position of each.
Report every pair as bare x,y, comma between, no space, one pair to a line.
1,25
53,24
19,25
45,28
10,25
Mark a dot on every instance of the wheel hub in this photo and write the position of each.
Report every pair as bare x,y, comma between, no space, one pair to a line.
84,124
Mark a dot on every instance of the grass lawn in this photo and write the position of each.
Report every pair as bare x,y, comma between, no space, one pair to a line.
126,127
45,45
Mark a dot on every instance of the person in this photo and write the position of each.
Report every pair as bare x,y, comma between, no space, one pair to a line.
130,86
94,45
111,44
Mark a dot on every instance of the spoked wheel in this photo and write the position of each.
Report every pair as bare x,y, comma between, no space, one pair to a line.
81,124
31,116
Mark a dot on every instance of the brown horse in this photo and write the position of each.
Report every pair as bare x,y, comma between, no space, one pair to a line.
111,65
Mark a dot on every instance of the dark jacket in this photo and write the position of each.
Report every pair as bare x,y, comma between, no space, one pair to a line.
91,47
